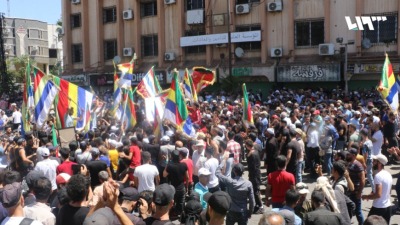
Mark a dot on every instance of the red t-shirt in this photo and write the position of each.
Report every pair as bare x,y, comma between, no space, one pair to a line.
136,156
280,182
65,167
189,164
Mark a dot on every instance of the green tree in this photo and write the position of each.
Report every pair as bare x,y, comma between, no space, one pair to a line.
18,67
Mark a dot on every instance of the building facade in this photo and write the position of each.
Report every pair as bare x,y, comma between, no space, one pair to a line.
27,37
273,42
55,48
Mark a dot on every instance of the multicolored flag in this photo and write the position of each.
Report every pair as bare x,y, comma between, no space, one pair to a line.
175,107
147,86
45,102
388,87
126,69
247,113
72,96
129,112
117,96
27,99
188,85
202,77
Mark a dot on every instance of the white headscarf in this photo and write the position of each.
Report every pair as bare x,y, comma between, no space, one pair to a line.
324,185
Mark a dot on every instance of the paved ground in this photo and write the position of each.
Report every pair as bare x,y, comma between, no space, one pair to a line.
366,205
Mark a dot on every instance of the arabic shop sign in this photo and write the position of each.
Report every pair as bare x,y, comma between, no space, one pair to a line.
75,78
101,79
160,74
309,73
222,38
241,72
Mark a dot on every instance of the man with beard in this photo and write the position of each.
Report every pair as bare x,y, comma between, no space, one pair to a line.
271,150
383,185
357,175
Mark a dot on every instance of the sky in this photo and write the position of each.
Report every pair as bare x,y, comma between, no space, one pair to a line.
44,10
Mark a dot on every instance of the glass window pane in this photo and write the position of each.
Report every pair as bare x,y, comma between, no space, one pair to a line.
317,33
302,34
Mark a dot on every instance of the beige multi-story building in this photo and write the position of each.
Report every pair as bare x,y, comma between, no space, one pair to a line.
291,42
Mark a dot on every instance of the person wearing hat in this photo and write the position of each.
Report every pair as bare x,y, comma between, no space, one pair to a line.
201,187
163,201
357,175
198,159
241,192
219,205
94,167
13,201
303,205
48,167
146,176
177,173
191,214
321,215
271,150
383,184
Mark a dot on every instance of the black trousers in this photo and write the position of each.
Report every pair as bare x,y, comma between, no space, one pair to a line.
256,190
179,200
386,213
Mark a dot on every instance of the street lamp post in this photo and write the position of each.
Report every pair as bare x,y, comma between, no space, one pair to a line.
346,80
228,2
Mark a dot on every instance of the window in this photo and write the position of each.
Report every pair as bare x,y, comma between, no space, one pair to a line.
195,49
246,1
255,45
53,53
148,9
77,53
75,20
309,33
384,32
194,4
150,45
110,15
110,49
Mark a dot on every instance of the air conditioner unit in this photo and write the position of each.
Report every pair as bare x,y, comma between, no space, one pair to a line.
275,6
242,8
169,56
76,1
128,52
168,2
127,14
195,16
326,49
220,45
60,31
276,52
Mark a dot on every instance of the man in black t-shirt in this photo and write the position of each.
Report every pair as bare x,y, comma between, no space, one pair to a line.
254,164
95,167
176,173
153,149
293,149
74,213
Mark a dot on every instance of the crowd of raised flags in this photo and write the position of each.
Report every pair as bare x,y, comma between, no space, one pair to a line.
43,93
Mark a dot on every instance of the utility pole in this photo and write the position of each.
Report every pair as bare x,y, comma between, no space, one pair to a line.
229,39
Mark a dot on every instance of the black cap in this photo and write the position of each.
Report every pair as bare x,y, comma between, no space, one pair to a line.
163,194
220,202
129,193
33,176
193,207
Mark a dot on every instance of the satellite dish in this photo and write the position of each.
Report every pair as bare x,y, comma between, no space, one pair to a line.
366,43
239,52
117,59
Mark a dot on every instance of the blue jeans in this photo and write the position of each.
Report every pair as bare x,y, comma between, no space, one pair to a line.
299,170
358,211
328,163
370,177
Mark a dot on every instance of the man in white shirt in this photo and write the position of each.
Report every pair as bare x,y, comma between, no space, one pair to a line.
383,185
312,147
146,176
198,159
39,210
377,139
12,199
48,167
17,118
212,164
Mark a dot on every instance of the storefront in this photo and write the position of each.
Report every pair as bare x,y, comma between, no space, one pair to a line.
102,82
368,75
309,76
160,74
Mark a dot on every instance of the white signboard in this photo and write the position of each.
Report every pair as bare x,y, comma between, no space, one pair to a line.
222,38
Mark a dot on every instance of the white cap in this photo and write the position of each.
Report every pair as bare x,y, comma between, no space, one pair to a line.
302,188
204,172
381,158
169,133
165,138
114,128
271,131
45,152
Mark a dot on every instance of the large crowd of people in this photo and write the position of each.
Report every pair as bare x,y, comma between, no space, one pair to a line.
110,175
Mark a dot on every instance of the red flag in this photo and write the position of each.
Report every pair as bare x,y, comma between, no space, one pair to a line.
202,77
